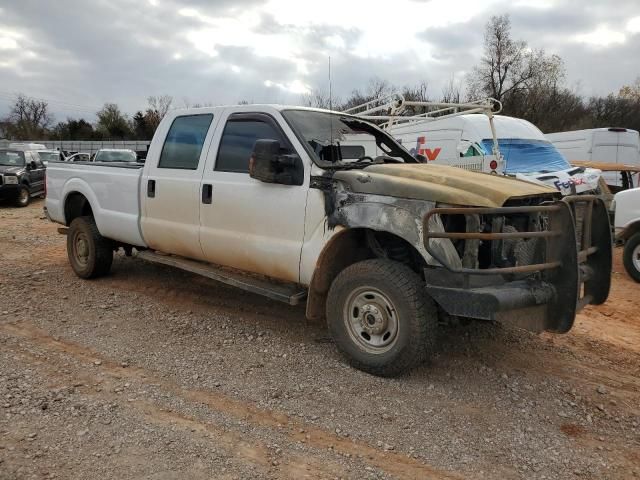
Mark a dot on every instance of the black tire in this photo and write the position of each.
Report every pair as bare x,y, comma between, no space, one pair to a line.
630,256
400,294
24,196
90,254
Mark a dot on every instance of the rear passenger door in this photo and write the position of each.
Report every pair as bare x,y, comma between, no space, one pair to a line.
170,188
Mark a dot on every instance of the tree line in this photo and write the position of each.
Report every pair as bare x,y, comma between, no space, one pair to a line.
529,83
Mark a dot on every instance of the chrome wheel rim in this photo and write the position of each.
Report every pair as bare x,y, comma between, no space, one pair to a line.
635,255
371,320
81,249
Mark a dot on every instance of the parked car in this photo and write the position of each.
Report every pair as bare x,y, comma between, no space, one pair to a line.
79,157
22,175
114,155
603,145
383,247
626,205
51,155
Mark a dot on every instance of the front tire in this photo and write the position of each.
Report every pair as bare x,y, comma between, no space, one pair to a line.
24,197
90,254
381,318
631,256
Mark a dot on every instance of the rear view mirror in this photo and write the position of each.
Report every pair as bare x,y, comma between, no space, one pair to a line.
270,165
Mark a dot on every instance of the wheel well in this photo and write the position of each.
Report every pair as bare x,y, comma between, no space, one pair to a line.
76,205
352,246
631,230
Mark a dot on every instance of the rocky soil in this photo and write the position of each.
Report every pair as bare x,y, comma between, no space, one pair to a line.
158,374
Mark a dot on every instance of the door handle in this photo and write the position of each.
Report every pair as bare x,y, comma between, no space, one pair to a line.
207,193
151,188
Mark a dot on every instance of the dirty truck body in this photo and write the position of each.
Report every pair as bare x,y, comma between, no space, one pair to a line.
266,198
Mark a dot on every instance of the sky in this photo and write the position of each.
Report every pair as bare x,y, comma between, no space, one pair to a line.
78,55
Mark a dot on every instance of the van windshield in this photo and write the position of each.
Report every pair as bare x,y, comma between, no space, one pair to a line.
335,140
115,156
523,155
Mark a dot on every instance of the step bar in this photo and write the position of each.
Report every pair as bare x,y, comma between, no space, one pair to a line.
288,293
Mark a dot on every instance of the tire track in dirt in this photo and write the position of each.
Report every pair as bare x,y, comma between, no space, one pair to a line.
393,463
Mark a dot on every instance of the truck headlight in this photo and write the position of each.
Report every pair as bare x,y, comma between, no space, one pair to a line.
10,180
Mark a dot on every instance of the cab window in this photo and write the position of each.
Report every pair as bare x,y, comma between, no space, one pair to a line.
239,137
183,145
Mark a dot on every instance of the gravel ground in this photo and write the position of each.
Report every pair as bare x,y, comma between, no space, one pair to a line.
158,374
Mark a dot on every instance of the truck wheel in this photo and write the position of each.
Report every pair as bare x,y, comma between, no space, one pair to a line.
631,256
380,317
24,197
90,254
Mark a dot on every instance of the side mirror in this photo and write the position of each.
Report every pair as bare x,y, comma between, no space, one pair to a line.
32,165
268,164
421,158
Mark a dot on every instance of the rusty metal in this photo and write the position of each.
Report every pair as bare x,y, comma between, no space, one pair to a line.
536,267
491,236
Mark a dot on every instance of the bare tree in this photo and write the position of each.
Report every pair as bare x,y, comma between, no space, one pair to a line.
509,66
452,91
158,108
29,118
631,92
319,99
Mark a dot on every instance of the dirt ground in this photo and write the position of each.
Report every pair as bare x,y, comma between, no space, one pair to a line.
153,373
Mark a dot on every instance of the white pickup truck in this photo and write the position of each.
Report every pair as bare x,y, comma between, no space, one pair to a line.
626,205
266,198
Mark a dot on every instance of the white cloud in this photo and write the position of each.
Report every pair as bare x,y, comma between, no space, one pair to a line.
602,36
633,25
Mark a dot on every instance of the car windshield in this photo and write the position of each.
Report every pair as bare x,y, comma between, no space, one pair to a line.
523,155
341,141
49,156
115,156
11,158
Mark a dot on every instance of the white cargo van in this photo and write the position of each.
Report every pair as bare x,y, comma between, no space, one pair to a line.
466,141
609,145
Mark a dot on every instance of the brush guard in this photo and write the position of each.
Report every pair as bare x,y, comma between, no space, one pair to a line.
575,269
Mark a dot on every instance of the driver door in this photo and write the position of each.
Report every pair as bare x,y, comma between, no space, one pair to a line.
245,223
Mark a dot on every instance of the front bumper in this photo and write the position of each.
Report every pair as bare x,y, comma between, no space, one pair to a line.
9,192
573,268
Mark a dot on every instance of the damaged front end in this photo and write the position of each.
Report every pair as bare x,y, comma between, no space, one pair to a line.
533,266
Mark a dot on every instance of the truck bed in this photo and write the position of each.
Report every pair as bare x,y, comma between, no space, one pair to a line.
113,190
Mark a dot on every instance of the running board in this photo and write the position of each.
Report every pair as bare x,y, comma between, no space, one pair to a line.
292,294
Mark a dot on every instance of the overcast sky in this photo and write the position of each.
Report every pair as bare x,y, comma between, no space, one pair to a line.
81,54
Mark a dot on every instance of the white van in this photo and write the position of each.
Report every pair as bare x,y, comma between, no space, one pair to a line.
466,141
608,145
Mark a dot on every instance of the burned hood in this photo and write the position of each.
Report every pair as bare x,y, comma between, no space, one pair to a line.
440,183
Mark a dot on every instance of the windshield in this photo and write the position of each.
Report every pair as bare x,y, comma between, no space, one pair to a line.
49,156
342,141
115,156
528,155
11,158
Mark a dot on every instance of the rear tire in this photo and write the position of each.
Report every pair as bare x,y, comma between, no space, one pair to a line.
24,197
90,254
381,318
631,256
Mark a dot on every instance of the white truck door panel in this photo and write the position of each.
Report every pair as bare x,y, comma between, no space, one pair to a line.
249,224
170,189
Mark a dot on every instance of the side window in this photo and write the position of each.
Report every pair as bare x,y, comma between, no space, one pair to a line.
238,139
38,160
183,145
